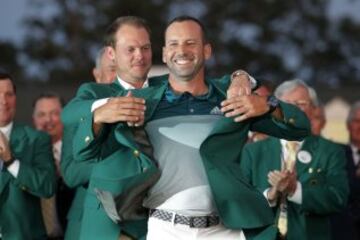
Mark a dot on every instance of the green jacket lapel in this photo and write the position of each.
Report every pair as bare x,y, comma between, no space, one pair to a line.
275,152
18,140
224,125
310,144
152,96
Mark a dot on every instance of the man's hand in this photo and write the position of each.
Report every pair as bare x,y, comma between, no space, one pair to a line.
278,180
121,109
240,84
5,152
283,181
244,107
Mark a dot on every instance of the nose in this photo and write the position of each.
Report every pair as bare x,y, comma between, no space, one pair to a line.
2,99
139,53
47,118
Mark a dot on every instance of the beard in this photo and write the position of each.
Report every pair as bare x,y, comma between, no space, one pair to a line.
187,71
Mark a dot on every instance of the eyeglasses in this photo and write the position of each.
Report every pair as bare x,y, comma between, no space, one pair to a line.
301,103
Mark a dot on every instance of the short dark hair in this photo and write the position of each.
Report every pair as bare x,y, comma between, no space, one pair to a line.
4,75
49,95
184,18
121,21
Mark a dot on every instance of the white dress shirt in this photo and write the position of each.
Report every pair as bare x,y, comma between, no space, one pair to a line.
355,154
124,84
297,196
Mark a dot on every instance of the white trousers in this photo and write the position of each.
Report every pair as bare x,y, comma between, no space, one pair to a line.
162,230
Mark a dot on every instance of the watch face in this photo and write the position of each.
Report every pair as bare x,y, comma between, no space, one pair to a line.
273,102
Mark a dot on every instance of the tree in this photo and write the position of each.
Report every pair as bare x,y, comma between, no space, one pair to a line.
273,39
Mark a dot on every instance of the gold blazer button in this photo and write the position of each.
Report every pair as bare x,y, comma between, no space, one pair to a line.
136,153
87,139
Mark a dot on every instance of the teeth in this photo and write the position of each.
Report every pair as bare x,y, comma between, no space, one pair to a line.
182,61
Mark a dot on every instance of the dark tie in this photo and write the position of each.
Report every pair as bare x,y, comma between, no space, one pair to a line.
141,138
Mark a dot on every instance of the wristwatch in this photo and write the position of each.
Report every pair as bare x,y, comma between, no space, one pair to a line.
272,102
253,81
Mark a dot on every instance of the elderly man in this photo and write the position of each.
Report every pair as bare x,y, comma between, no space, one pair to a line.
353,163
105,68
27,171
305,182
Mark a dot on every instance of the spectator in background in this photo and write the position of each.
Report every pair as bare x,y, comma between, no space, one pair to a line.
27,171
353,163
305,182
105,69
46,117
318,119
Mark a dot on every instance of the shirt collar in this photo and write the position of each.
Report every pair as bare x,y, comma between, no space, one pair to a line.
355,153
354,148
57,145
7,130
283,143
128,86
172,97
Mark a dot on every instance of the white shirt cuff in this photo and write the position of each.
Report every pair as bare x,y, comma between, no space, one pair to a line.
297,196
14,168
99,103
271,203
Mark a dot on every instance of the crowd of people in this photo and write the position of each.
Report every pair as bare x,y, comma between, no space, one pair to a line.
178,156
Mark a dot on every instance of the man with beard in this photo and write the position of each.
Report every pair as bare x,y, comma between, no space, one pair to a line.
196,135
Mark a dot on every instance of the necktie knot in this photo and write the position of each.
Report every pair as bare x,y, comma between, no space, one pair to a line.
292,148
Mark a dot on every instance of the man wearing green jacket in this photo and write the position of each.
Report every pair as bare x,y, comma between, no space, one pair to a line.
305,191
128,40
27,171
195,146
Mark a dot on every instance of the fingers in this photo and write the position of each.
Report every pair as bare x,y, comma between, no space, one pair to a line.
240,85
127,109
244,107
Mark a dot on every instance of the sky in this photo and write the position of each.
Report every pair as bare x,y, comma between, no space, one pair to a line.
12,11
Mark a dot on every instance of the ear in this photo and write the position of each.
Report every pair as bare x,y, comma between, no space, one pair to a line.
110,52
207,51
164,54
96,74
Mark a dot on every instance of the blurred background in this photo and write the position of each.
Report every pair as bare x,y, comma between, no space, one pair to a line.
51,45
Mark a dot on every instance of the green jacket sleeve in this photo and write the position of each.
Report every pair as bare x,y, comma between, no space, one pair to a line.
37,169
294,126
74,173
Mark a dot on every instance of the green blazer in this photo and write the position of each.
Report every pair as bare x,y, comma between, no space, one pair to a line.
120,161
323,179
20,212
77,174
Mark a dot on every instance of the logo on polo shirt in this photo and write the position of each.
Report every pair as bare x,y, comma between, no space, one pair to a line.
216,111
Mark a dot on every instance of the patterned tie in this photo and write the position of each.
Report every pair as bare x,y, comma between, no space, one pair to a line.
48,207
52,225
288,164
